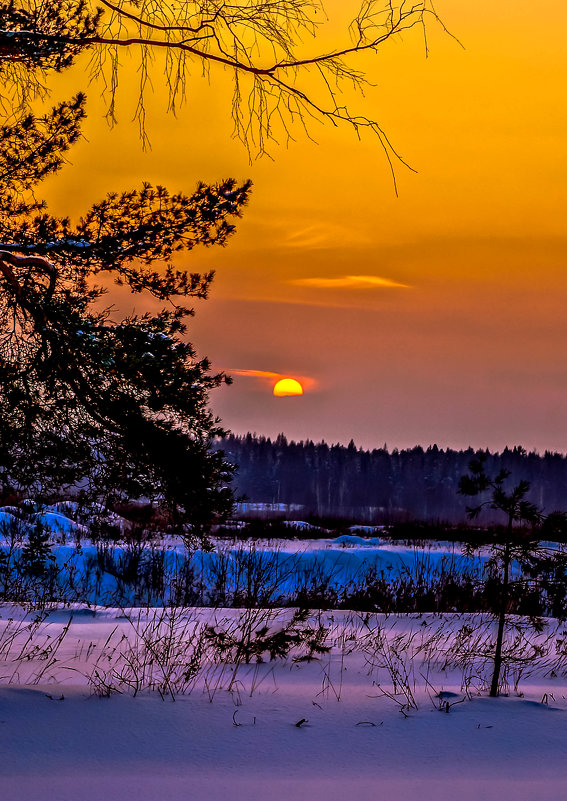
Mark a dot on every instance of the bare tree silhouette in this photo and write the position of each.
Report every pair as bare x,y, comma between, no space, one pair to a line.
277,84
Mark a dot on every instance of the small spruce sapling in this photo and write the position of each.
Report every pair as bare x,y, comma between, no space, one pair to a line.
36,553
520,542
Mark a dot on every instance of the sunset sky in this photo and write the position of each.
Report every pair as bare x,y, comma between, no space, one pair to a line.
438,316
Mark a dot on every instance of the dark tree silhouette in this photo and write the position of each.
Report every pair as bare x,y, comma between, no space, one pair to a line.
520,542
114,408
384,486
278,82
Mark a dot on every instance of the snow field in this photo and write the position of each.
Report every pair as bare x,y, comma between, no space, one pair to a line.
74,725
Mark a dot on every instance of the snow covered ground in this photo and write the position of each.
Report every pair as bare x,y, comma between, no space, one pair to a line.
110,573
375,725
101,702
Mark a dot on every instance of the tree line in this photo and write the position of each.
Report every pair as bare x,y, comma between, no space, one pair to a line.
382,486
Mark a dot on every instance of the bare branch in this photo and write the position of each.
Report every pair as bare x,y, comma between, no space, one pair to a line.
261,41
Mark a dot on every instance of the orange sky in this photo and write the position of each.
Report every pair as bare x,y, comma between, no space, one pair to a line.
464,341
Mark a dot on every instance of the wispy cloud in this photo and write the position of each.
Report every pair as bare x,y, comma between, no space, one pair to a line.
349,282
257,374
322,236
307,382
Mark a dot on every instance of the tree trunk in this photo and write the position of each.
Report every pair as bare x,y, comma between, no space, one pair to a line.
501,615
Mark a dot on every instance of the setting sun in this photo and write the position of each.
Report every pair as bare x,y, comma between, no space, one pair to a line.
287,386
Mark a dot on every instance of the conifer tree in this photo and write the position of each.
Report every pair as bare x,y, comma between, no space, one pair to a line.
114,408
36,553
520,543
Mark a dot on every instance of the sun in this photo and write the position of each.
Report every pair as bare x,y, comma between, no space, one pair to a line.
287,386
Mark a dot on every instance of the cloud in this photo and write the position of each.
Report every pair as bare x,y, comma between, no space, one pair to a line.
323,236
306,382
256,373
349,282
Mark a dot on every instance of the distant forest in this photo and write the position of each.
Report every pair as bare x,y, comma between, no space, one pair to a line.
378,486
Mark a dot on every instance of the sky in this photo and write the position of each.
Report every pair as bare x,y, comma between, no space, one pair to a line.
436,315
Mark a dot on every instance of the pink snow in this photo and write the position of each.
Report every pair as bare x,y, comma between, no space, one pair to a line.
237,740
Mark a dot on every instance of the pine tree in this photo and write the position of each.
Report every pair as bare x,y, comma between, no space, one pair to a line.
114,408
520,543
36,553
